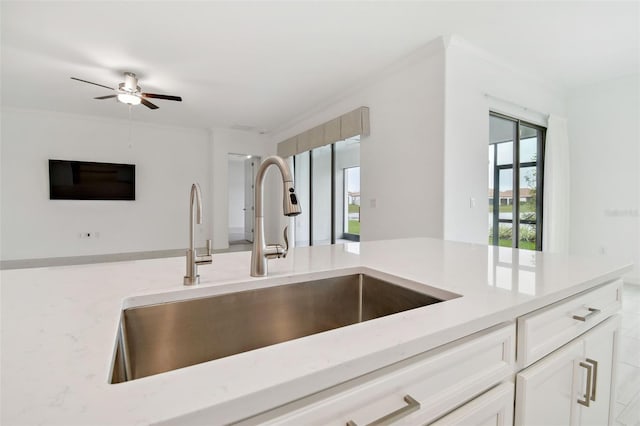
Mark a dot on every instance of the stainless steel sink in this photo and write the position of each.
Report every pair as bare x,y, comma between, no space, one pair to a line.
158,338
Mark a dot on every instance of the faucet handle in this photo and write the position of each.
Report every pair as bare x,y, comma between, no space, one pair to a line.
286,241
276,251
209,248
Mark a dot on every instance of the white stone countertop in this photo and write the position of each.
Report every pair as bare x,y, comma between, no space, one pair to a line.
59,326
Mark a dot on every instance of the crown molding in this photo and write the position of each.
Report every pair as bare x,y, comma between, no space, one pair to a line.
456,41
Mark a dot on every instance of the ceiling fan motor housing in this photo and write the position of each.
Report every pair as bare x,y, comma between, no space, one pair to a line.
130,83
122,87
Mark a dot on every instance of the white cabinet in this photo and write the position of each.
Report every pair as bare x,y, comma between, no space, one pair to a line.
418,390
571,386
545,391
600,350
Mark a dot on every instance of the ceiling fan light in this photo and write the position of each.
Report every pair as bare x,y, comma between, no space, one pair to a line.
128,98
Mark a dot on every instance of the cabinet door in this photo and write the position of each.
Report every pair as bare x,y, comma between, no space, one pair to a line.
546,392
494,407
600,345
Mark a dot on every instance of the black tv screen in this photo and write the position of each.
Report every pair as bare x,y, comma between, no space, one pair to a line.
83,180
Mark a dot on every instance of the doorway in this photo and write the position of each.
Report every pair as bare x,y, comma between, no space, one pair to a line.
241,180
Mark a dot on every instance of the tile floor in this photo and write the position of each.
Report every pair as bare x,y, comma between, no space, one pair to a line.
627,407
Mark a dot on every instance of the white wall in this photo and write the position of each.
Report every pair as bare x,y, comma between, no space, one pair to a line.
225,142
427,153
604,133
236,195
470,75
167,159
402,159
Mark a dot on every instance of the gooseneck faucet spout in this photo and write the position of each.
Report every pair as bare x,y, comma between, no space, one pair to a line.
261,251
193,260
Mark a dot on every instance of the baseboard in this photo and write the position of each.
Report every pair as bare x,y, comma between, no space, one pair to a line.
106,258
83,260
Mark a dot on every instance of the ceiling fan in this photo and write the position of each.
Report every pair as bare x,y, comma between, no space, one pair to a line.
130,93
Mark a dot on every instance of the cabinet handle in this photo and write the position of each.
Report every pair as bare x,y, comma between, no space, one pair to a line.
587,396
595,378
412,405
592,312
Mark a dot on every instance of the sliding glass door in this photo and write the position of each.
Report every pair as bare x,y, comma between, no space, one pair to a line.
302,178
516,153
321,195
327,181
346,174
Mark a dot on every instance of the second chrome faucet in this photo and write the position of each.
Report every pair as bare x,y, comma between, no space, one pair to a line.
193,260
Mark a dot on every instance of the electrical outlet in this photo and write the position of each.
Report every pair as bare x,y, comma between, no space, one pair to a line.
88,235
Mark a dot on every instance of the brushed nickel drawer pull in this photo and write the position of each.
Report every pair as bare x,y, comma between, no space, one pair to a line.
592,312
412,405
587,396
595,378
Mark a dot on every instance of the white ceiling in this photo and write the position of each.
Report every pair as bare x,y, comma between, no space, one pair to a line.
260,64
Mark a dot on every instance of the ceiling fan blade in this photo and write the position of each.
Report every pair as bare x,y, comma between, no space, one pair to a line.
165,97
106,97
95,84
148,104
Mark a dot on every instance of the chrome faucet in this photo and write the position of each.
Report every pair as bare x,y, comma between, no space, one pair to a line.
193,260
261,251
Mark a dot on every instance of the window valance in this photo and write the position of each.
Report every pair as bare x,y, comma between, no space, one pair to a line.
347,125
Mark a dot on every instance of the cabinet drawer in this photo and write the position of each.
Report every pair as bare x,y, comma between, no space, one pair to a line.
494,407
439,380
545,330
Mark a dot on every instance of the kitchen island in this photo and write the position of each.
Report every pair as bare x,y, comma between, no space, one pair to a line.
59,327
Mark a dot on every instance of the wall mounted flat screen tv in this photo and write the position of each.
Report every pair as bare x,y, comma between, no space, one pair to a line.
82,180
